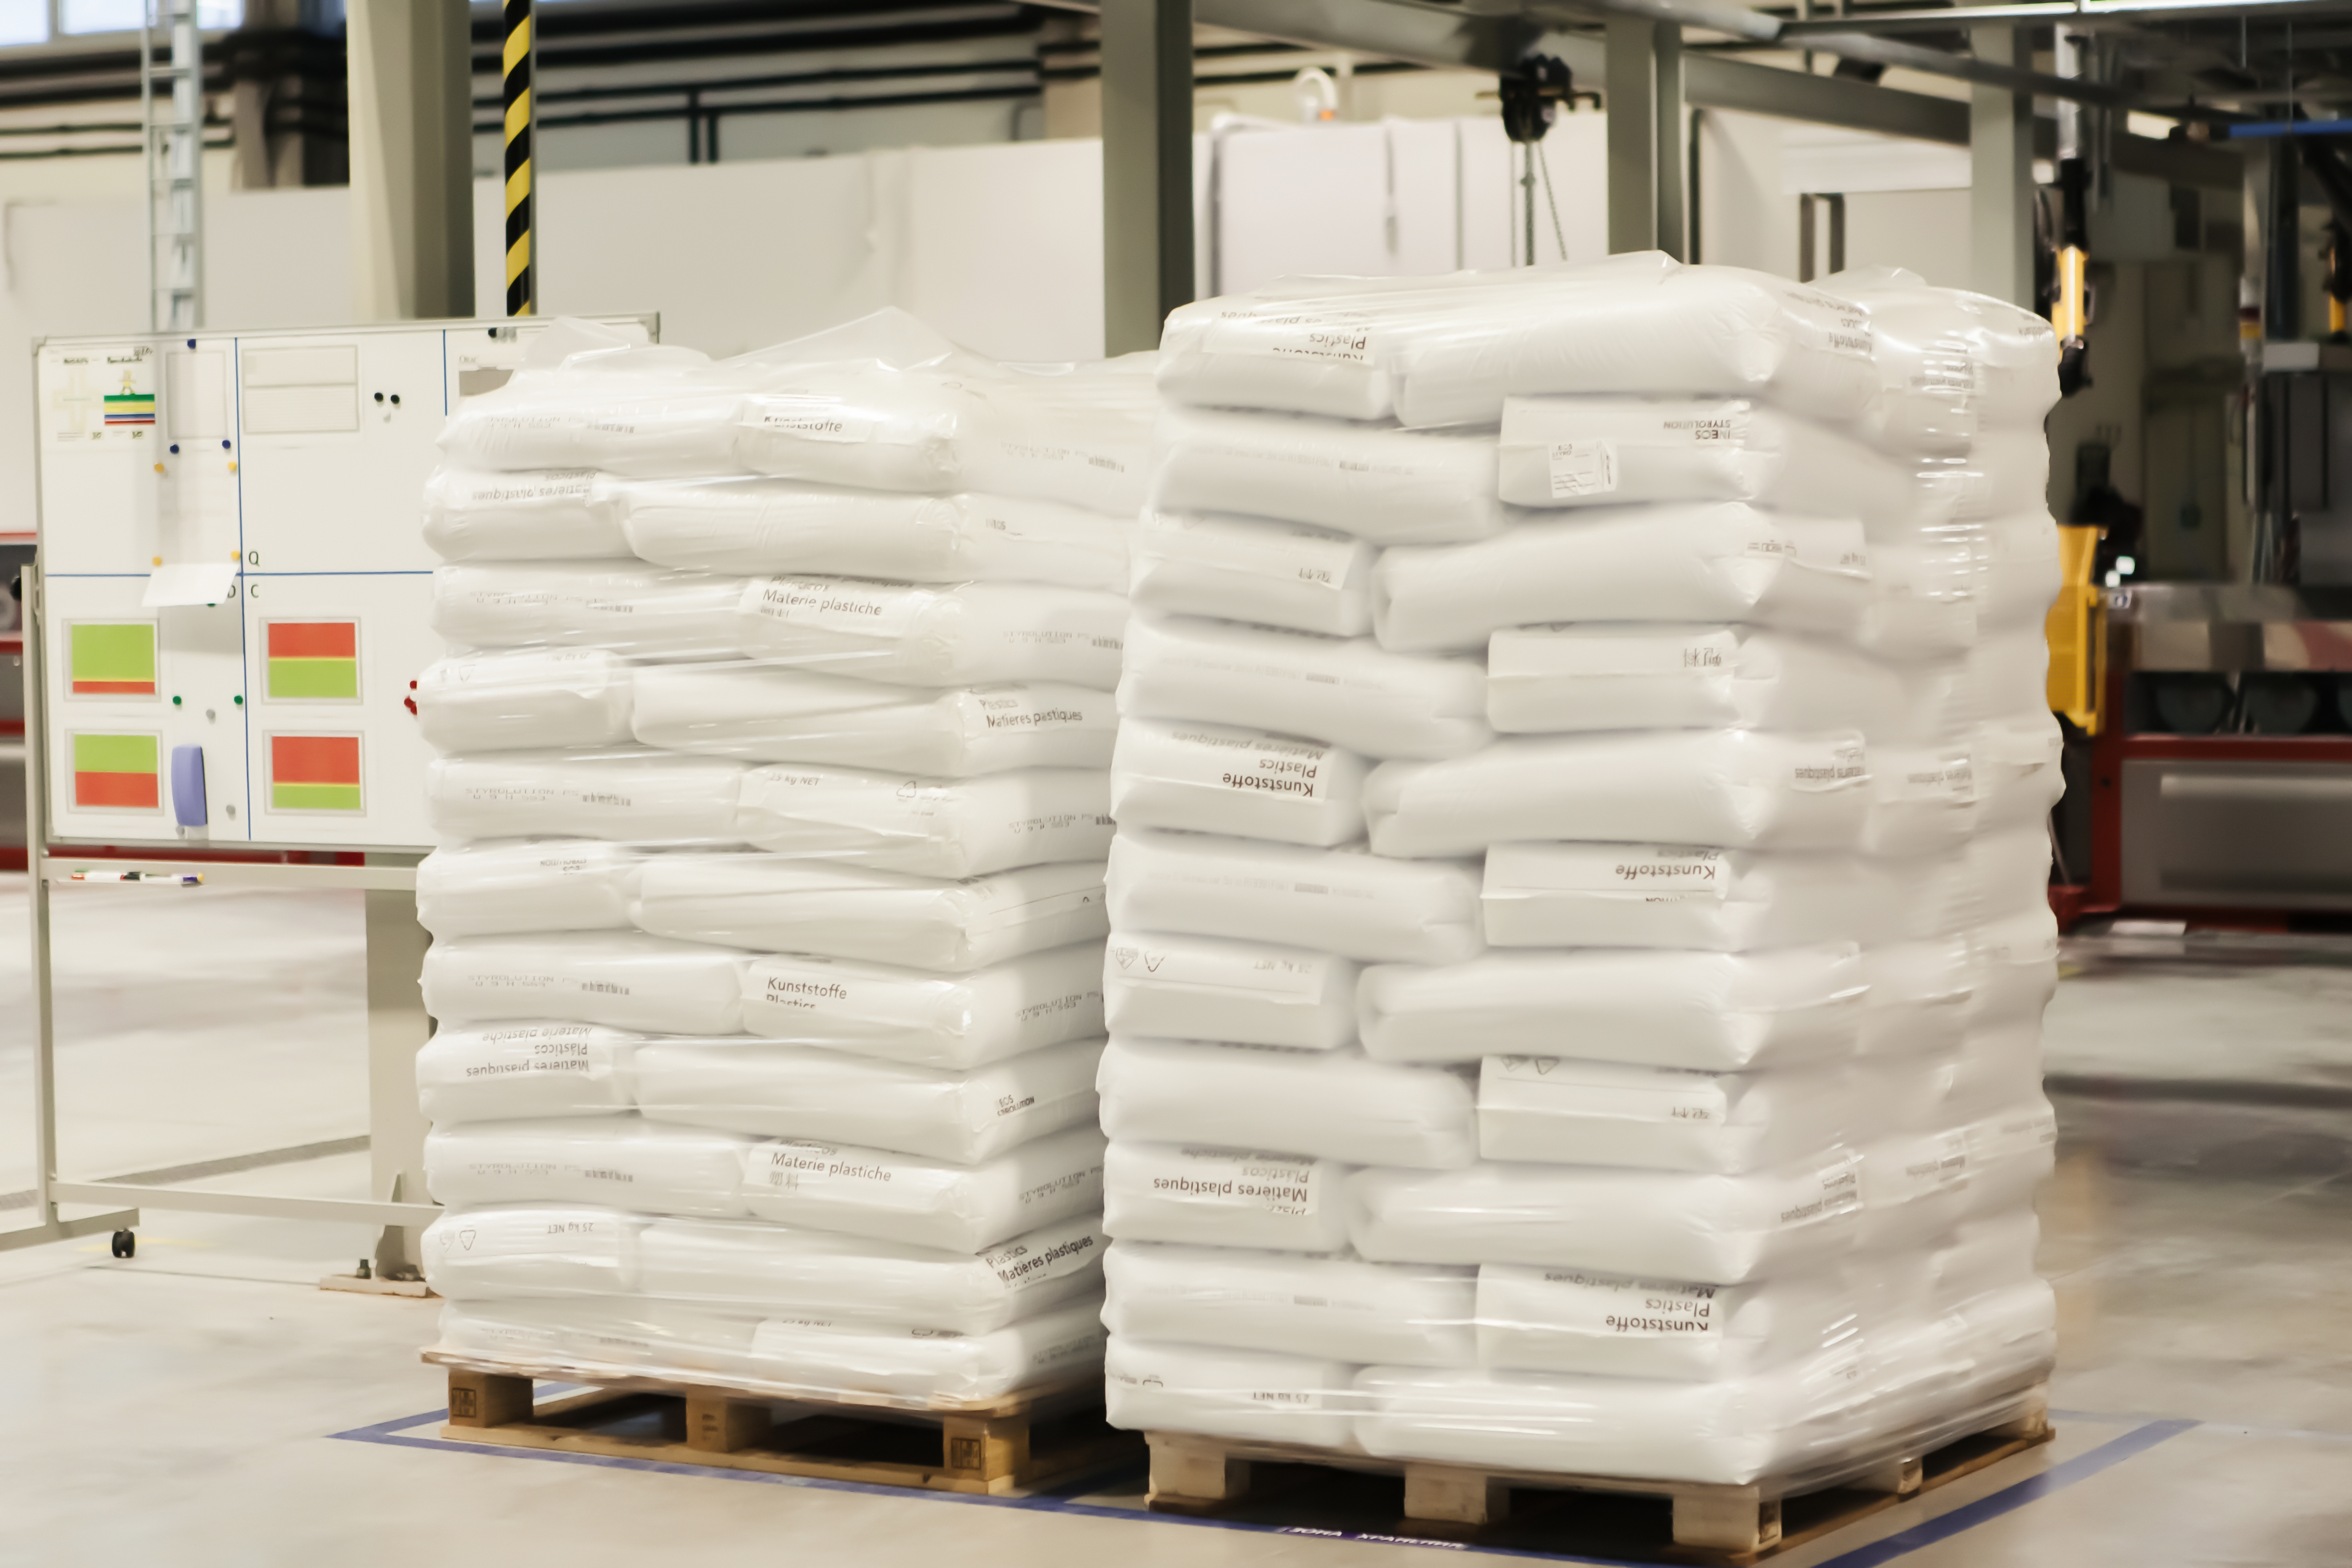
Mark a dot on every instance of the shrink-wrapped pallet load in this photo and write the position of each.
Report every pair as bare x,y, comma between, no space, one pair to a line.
1578,927
769,916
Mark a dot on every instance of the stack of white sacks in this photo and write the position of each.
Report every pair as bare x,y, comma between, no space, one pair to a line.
1579,926
768,913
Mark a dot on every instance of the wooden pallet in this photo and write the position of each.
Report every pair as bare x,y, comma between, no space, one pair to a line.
1727,1525
996,1447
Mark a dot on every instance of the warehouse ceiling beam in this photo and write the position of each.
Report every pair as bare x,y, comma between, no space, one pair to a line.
2089,14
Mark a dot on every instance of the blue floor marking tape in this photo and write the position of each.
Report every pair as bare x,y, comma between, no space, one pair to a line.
1943,1527
2057,1478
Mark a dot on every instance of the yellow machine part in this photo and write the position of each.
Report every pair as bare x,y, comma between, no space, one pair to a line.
2077,630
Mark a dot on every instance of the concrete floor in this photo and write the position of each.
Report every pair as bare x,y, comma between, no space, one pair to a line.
203,1402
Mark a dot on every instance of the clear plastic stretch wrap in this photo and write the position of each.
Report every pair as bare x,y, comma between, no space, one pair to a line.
773,796
1579,909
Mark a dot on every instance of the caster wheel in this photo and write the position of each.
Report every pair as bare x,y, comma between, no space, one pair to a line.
125,1244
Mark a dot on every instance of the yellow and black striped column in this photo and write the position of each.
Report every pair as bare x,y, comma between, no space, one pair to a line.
521,300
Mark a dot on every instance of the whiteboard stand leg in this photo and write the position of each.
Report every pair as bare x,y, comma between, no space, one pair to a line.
397,1028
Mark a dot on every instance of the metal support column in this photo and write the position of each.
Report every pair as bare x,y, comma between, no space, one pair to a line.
1147,117
175,153
397,1030
2001,175
412,139
1644,83
523,296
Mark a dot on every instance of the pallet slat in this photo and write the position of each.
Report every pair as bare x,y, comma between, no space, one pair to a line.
1729,1526
1031,1439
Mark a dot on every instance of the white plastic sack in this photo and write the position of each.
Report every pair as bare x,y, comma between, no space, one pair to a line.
626,607
1450,353
651,410
1622,675
493,886
1921,799
530,698
929,827
755,527
615,1336
925,1202
1919,995
1157,1386
924,1019
1567,894
936,635
620,979
1924,1182
966,1115
774,903
505,1071
854,1281
1208,778
1345,691
1706,1011
531,1249
1695,562
2016,968
1729,1432
1079,434
1291,1303
1200,988
1378,482
871,425
1617,451
1241,568
1739,789
1536,1319
1328,1104
926,1369
622,1161
1714,1230
1996,362
774,714
1341,901
517,516
1224,1198
626,794
1558,1110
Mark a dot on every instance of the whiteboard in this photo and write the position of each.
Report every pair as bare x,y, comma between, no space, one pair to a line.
236,593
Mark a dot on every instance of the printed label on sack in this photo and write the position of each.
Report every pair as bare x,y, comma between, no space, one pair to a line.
530,1050
1268,1183
1918,1167
492,1234
1316,336
1821,544
846,604
1572,1301
1834,1189
1917,778
866,800
1727,429
508,982
1035,1259
811,416
1247,764
522,489
1017,710
1839,766
802,1168
1223,969
1538,1083
1273,550
1668,872
2007,1136
1582,467
1541,650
